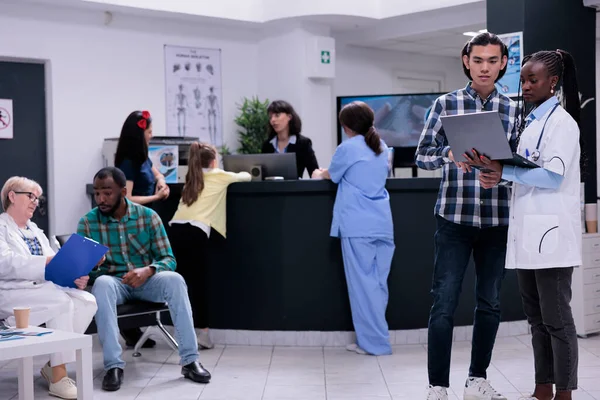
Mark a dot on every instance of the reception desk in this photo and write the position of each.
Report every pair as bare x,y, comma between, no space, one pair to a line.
279,269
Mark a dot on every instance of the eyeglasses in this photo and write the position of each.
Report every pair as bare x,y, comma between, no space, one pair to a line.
32,197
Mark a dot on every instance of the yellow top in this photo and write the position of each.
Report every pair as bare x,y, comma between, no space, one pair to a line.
211,207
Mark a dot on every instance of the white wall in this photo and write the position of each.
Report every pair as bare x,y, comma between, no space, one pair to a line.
282,76
98,75
371,71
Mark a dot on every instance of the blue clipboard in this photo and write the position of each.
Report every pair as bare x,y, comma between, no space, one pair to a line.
75,259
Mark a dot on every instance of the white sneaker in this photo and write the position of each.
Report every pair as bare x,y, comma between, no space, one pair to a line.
46,372
481,389
354,347
204,341
437,393
64,389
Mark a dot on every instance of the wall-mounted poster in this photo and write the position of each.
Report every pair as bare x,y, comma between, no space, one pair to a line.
193,90
166,160
509,84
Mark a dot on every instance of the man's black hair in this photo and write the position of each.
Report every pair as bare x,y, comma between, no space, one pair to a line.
112,172
483,39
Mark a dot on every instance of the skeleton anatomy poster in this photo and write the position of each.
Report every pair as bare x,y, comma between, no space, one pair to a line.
193,90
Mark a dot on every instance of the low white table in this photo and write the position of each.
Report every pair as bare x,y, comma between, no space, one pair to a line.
25,349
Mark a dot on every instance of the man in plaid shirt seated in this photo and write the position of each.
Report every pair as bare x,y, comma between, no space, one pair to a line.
139,265
470,220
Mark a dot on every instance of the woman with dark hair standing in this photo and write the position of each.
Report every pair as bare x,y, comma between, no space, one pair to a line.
145,184
284,137
544,234
362,218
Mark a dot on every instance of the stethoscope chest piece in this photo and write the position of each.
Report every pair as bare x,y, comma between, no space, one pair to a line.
535,155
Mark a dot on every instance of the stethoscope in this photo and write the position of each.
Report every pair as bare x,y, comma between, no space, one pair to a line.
536,154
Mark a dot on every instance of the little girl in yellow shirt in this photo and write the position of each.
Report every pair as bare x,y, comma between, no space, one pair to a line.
200,219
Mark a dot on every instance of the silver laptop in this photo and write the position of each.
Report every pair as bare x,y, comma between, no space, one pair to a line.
484,132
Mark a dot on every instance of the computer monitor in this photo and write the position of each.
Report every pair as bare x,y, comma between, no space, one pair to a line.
399,119
272,165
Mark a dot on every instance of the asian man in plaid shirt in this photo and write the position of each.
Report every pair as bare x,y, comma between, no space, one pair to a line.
470,220
139,265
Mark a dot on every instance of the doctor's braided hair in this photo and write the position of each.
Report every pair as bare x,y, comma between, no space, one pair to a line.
562,64
359,118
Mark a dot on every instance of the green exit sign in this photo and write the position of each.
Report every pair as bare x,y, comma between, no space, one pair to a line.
325,57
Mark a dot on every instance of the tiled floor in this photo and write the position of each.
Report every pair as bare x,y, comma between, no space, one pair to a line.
274,373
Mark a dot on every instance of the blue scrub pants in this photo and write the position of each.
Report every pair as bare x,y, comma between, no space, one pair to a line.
367,263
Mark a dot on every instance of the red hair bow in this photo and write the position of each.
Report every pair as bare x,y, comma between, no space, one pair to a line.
143,123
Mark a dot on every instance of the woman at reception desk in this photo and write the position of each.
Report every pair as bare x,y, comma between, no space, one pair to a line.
284,137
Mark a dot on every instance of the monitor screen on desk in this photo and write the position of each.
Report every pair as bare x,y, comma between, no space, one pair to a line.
272,165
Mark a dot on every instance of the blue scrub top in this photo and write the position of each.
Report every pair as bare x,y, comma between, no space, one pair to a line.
143,178
362,205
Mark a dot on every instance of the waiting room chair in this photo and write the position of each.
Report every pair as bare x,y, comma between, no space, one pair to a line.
136,314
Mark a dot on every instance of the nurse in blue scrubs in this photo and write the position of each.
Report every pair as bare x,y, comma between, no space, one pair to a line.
362,218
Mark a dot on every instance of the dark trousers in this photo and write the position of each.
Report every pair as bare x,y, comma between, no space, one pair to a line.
192,253
546,295
454,245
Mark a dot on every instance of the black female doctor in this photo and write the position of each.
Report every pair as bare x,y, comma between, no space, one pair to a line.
544,233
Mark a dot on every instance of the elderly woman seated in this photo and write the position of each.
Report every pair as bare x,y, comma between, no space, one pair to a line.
24,254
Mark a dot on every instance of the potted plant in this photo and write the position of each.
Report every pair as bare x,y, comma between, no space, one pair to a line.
253,121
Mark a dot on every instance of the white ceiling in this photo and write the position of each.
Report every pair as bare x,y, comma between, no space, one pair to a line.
437,32
442,43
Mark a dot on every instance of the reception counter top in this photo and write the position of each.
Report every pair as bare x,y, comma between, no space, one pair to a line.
280,270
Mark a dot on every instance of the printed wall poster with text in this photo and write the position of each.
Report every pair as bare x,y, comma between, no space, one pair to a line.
166,160
193,93
509,84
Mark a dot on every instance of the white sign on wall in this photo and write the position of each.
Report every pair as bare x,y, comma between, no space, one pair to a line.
6,119
193,93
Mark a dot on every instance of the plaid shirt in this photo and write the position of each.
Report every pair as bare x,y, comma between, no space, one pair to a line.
35,247
461,200
138,240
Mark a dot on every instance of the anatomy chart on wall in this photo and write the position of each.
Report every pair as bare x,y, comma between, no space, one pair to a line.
193,90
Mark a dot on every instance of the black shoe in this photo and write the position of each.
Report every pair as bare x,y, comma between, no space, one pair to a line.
132,336
196,372
112,380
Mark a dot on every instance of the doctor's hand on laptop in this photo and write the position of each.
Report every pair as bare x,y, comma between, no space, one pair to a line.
490,171
463,166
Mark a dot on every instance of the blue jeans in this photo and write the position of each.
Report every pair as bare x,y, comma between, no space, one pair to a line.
167,287
454,244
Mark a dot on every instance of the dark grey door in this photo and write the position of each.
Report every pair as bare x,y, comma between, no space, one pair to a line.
25,155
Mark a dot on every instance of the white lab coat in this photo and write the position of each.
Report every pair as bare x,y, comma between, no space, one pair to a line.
545,224
22,284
